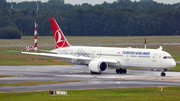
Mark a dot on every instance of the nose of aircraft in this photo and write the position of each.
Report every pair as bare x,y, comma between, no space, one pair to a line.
172,64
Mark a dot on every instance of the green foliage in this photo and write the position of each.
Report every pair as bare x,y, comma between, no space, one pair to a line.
16,58
9,33
118,94
36,83
3,3
59,4
121,18
56,2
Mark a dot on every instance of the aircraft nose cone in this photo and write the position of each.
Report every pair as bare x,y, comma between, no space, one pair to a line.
172,64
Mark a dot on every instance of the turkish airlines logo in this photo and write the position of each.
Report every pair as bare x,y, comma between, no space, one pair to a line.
59,39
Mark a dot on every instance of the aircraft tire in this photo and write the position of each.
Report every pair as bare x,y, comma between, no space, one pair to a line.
124,71
120,70
163,74
94,73
117,71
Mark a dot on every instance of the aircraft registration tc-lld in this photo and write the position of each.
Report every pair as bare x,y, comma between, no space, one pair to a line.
98,59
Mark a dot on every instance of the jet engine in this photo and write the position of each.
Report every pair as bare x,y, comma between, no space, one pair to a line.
98,66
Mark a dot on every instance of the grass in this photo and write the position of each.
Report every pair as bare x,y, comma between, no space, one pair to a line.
13,58
49,40
37,83
122,94
177,68
4,76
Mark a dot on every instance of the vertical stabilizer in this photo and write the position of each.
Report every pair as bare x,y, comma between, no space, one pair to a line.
59,37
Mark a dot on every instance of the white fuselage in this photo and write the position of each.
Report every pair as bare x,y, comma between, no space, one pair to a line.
124,57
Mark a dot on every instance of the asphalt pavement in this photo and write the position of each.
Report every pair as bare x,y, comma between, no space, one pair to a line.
108,79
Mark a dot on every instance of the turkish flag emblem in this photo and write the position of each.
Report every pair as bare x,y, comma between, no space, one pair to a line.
59,39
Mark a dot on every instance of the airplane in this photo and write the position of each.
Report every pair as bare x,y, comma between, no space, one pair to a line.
98,59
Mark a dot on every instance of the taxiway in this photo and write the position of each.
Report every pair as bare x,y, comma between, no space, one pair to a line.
108,79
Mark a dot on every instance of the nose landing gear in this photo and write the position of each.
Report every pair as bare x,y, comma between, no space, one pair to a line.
162,73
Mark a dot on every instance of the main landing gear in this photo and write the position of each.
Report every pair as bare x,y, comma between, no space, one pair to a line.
94,73
121,71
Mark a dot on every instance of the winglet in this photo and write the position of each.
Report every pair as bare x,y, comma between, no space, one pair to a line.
59,38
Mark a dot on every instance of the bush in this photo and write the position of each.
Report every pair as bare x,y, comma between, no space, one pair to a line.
9,33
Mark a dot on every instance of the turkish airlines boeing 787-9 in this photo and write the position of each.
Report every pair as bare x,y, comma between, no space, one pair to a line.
98,59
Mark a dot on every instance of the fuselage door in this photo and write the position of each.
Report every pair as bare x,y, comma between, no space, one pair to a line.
154,58
95,54
127,57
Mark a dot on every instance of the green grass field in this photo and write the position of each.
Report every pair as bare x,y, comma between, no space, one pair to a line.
122,94
11,58
49,40
37,83
118,94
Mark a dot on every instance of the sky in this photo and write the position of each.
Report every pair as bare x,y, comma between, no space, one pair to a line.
93,2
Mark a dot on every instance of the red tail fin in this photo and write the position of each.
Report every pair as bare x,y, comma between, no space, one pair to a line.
59,37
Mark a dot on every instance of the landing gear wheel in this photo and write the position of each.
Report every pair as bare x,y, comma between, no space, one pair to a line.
95,73
124,71
117,71
163,74
121,71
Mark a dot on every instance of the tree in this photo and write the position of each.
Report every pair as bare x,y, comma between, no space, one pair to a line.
56,2
9,33
3,4
86,6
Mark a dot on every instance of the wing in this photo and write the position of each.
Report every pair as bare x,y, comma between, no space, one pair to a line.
61,56
58,56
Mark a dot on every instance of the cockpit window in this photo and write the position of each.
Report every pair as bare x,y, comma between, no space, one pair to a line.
167,57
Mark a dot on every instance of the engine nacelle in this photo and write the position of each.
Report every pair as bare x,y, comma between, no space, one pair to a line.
98,66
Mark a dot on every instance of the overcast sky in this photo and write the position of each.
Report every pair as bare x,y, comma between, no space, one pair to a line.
93,2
